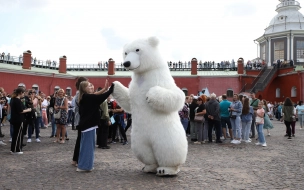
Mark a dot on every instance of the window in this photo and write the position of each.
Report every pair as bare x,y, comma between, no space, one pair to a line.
300,51
185,90
68,91
21,85
56,88
278,93
230,93
293,91
36,88
279,50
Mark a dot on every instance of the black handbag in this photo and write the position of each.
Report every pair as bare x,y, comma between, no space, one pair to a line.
232,116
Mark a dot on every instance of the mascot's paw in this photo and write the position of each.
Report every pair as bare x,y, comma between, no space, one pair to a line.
165,171
153,96
117,85
150,168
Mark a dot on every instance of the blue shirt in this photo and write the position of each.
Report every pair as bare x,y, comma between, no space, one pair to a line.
300,108
224,105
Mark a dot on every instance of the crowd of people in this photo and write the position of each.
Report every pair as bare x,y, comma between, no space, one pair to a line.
93,112
200,64
28,111
237,121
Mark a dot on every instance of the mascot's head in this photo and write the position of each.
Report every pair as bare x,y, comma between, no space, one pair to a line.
142,55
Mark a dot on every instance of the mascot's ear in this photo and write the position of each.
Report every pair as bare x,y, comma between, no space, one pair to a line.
153,41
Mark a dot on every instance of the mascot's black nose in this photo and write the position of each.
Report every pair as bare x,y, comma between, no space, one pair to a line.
127,64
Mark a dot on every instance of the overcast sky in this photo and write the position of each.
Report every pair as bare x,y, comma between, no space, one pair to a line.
88,31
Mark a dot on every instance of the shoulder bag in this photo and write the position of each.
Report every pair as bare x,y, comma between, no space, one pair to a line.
199,118
58,114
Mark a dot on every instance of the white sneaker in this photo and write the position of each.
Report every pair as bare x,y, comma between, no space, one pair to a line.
247,141
197,142
233,141
29,140
38,140
16,152
10,140
2,143
268,134
258,144
237,142
264,144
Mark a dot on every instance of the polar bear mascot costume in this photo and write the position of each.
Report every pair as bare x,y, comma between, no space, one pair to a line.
158,137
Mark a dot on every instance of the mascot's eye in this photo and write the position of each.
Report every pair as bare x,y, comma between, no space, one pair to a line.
137,50
126,53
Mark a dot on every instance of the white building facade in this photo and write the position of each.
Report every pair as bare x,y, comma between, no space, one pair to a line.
283,39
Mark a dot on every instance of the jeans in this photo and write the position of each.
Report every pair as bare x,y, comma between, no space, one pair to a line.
260,133
246,125
236,127
86,152
31,127
185,123
70,116
40,122
301,119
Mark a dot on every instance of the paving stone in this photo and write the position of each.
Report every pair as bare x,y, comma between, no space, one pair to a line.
47,165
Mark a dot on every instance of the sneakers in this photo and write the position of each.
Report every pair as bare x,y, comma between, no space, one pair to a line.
113,142
197,142
2,143
38,140
16,153
247,141
236,142
80,170
268,134
233,141
29,140
126,142
264,145
258,144
289,138
10,140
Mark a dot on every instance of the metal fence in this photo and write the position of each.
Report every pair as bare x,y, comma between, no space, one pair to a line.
103,66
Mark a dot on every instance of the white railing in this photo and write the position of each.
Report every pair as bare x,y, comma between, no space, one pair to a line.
288,3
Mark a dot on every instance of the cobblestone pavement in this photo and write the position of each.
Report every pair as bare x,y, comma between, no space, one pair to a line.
47,165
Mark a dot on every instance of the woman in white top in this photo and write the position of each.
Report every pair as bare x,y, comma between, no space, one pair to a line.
44,105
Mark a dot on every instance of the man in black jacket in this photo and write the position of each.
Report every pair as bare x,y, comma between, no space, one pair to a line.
214,119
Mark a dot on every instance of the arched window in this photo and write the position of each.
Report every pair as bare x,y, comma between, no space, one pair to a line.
229,93
21,85
56,88
185,90
293,91
278,93
68,91
36,88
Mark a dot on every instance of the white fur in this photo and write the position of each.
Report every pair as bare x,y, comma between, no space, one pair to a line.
158,137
